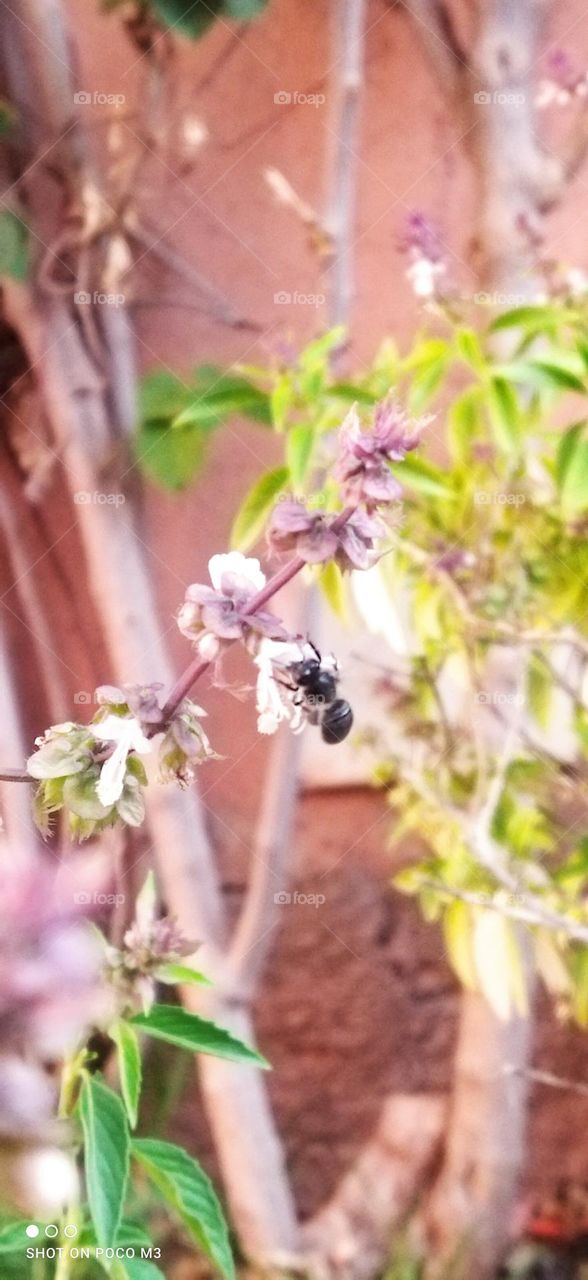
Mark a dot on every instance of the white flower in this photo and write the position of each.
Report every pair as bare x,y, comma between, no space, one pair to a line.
422,274
49,1180
128,735
274,701
208,647
235,562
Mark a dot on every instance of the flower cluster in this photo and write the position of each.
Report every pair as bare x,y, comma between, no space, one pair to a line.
427,269
363,465
94,772
233,606
225,610
51,994
563,84
316,538
150,945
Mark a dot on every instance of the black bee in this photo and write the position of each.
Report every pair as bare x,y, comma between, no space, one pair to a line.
316,685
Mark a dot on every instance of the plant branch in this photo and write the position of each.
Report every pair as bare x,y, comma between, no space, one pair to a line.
433,24
347,43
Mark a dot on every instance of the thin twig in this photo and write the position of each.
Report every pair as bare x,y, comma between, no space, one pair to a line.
548,1078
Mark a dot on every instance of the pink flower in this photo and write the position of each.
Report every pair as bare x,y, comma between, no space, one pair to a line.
364,456
311,536
222,609
306,533
421,235
357,537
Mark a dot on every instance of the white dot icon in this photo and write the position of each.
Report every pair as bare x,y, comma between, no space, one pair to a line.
32,1231
52,1230
70,1231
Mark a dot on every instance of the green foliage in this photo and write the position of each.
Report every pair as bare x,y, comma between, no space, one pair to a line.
493,547
193,22
257,505
129,1066
190,1194
106,1156
136,1269
177,418
14,241
189,1031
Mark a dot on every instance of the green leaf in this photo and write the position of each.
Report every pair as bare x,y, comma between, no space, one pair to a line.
128,1234
244,10
191,21
468,346
458,934
217,396
504,414
171,458
349,391
425,384
191,1194
317,351
571,470
427,353
539,690
79,794
14,239
129,1066
174,974
280,400
13,1238
332,586
532,318
188,1031
136,1269
106,1156
423,477
464,425
7,117
299,446
162,395
255,508
565,372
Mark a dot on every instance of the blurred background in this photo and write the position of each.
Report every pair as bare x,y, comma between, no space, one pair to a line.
203,169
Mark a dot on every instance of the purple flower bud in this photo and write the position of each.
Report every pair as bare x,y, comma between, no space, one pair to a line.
221,609
306,533
357,540
364,456
422,235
